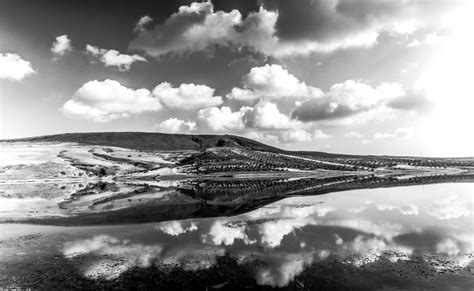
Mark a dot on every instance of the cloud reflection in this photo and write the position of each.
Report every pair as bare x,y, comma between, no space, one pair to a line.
222,233
175,227
279,241
451,207
116,256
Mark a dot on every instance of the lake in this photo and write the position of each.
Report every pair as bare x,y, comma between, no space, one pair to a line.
402,237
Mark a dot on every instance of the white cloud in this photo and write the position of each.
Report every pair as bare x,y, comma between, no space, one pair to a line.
113,58
398,133
429,39
319,134
197,27
186,96
266,115
348,99
222,119
363,39
142,22
242,95
357,95
270,88
103,101
263,122
174,125
300,135
13,67
61,45
274,81
353,134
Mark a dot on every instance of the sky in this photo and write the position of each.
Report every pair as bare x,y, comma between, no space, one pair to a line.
343,76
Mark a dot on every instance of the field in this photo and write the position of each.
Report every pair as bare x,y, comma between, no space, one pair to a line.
129,177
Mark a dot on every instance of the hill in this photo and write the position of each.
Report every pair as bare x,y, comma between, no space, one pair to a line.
153,141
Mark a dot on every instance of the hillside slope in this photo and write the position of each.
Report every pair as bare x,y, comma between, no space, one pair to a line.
153,141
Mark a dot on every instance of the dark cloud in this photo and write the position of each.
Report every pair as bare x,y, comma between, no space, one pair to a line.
325,20
173,28
431,239
281,28
316,110
309,19
412,101
199,26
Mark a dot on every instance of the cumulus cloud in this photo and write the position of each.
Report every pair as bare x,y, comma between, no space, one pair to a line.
174,125
13,67
301,135
270,88
222,119
186,96
273,82
61,45
347,102
347,99
287,136
283,28
263,122
103,101
197,27
113,58
266,115
398,133
142,23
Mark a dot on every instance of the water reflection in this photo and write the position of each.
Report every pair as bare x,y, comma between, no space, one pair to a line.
407,232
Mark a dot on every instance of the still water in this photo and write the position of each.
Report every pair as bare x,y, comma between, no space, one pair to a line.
404,237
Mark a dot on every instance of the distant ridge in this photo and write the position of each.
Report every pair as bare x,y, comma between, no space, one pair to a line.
153,140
